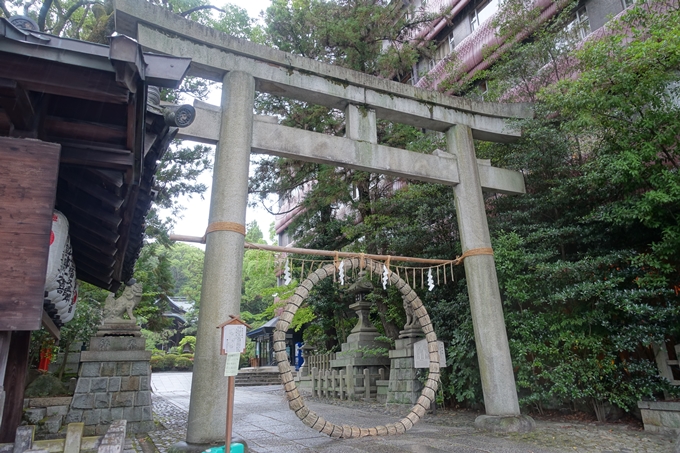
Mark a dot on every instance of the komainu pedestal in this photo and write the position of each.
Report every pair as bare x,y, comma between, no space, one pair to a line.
113,380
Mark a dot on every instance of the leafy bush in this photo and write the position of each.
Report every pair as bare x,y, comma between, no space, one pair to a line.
169,361
184,363
157,363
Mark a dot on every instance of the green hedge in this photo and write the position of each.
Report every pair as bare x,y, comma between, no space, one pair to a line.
168,362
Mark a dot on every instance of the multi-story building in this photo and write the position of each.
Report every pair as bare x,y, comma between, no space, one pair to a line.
467,34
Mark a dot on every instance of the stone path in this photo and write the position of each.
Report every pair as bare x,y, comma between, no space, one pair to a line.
263,420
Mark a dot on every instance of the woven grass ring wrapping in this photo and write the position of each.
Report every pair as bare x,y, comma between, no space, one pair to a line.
295,401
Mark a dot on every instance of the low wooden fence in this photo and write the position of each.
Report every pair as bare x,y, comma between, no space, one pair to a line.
320,361
338,384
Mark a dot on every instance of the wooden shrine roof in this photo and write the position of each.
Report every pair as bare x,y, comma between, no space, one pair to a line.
91,99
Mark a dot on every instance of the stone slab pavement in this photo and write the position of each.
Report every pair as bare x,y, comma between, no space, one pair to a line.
263,420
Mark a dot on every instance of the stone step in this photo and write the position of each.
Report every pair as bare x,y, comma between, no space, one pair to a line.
257,376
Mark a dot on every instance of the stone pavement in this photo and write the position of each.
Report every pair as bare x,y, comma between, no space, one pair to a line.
263,420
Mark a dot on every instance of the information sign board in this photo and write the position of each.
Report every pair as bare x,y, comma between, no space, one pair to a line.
421,355
233,338
233,359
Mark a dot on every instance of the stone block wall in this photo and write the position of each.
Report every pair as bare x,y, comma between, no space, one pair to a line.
113,384
404,387
661,416
47,414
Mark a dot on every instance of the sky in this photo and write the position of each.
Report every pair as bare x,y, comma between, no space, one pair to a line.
194,219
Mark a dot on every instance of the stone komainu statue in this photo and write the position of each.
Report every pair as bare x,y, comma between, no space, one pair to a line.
114,308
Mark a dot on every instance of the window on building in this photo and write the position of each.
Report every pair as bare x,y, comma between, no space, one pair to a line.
482,13
445,47
580,25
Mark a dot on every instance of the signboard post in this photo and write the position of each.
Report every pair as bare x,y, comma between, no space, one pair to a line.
232,344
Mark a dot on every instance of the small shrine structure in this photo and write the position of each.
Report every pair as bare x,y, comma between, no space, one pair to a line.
79,134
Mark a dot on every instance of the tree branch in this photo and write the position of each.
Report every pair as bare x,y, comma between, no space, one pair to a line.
43,14
4,9
67,16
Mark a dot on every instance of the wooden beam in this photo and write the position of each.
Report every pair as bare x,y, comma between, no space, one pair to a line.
79,229
94,268
15,383
49,325
114,178
106,284
76,184
17,103
84,130
44,76
87,254
79,211
88,240
97,158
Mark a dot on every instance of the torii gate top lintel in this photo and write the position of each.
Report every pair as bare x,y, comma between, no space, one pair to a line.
214,53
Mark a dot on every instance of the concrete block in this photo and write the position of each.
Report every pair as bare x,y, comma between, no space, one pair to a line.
142,427
670,419
143,398
52,401
132,414
140,369
144,383
147,413
90,369
114,439
83,401
34,415
102,400
24,438
99,384
105,416
91,417
56,410
74,416
130,384
83,385
53,424
122,399
115,356
74,435
108,369
89,430
117,413
123,368
114,384
101,430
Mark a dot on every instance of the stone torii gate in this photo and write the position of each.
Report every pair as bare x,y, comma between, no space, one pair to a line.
244,68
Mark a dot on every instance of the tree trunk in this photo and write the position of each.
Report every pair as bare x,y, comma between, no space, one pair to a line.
391,330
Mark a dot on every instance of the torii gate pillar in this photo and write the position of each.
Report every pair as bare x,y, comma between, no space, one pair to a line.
491,339
223,265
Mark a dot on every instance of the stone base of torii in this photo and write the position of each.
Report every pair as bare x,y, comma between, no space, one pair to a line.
243,68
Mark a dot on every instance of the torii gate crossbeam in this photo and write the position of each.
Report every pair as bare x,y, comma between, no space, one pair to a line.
244,68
